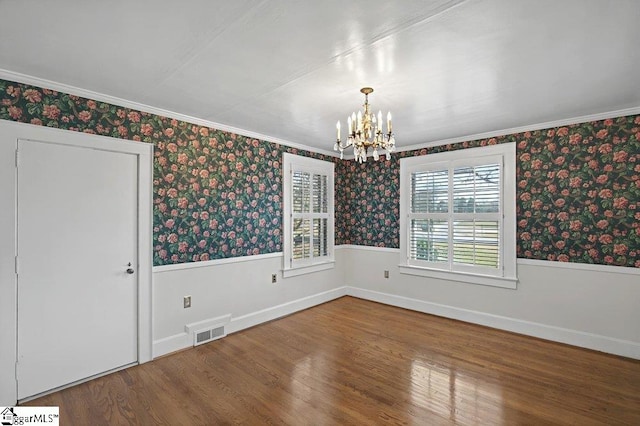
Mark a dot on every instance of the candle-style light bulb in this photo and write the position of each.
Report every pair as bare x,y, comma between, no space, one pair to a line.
360,120
380,121
389,122
338,130
349,124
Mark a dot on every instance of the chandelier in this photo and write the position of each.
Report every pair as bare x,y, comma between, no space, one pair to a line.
365,131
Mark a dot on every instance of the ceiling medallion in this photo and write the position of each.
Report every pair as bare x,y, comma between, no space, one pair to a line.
365,131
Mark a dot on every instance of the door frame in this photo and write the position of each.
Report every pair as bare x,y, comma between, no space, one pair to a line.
144,154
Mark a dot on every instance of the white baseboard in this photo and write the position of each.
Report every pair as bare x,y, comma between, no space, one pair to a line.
171,344
563,335
255,318
182,340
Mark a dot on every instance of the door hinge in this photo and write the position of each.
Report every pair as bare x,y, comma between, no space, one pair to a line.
17,158
17,265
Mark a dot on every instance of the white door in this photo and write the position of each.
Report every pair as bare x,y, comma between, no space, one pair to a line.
76,236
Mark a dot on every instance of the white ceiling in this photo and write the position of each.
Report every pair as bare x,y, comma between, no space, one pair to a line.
290,69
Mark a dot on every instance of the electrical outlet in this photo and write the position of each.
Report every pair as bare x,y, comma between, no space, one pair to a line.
386,274
187,302
274,278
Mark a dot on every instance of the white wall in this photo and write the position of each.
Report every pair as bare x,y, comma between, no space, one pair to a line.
585,305
239,287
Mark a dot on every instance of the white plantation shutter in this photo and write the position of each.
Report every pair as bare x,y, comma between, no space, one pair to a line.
320,200
320,242
310,215
476,243
430,191
309,221
301,192
476,215
455,217
458,214
301,239
429,240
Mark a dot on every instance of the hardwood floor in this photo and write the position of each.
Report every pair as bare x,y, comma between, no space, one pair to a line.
351,361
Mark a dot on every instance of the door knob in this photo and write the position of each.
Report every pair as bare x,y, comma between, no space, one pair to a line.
130,270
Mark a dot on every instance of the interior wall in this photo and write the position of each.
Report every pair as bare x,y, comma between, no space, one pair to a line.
591,306
217,199
241,289
578,241
206,166
578,193
217,194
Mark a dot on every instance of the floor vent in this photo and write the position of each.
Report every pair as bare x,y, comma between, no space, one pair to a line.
205,336
207,330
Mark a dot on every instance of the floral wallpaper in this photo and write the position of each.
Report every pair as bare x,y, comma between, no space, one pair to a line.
369,208
219,195
578,193
216,194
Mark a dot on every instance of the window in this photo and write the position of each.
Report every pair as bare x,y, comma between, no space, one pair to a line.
308,215
457,215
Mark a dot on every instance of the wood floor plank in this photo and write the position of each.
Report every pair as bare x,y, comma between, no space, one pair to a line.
352,361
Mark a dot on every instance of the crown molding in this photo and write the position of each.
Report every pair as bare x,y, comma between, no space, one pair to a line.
101,97
72,90
526,128
514,130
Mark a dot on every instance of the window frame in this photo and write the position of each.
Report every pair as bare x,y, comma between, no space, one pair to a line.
291,163
505,275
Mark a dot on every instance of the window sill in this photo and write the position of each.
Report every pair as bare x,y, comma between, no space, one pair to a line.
467,278
294,272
